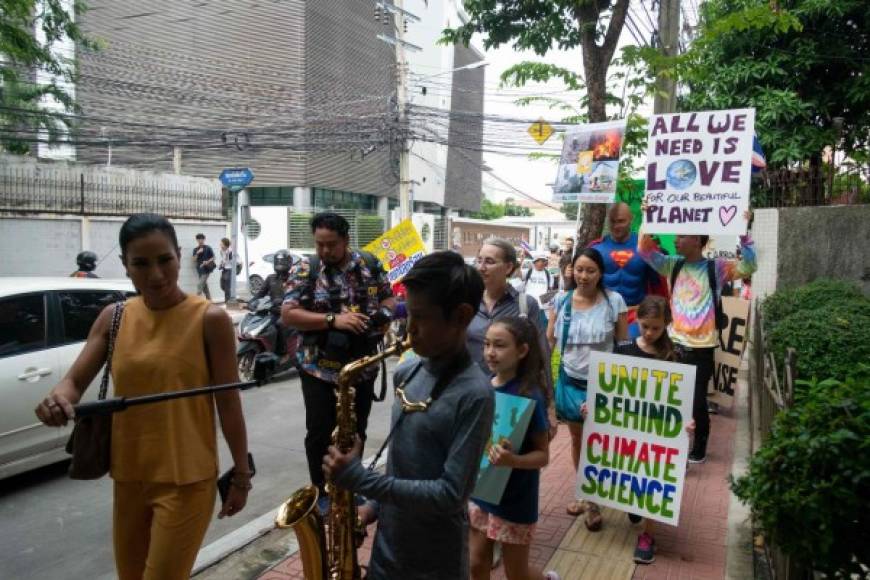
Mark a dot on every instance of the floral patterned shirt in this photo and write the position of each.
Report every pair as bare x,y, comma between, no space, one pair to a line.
360,285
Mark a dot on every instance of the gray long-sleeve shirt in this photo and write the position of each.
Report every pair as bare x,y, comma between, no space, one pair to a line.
431,470
507,306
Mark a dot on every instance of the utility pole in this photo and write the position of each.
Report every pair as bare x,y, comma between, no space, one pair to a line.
669,45
405,208
401,18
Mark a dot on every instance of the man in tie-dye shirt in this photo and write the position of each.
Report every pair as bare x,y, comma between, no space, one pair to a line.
693,329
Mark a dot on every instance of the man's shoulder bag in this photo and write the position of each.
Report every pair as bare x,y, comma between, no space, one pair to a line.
91,441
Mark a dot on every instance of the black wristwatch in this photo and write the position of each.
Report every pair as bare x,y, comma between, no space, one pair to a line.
330,320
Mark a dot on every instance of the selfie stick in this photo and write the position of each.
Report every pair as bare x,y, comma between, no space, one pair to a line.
263,370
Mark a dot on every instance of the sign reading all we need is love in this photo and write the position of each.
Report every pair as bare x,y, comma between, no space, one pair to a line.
635,444
699,168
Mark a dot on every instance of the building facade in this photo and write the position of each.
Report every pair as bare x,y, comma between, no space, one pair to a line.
301,91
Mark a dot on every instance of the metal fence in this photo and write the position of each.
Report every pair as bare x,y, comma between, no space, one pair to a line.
771,393
812,186
365,226
70,189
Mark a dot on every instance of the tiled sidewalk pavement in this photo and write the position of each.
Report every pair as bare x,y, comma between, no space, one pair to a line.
695,550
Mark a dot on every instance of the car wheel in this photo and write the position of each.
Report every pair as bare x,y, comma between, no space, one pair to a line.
246,365
254,284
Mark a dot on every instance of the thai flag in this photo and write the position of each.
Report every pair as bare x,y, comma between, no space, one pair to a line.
526,247
758,160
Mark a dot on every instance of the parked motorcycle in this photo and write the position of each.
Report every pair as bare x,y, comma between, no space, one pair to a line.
258,332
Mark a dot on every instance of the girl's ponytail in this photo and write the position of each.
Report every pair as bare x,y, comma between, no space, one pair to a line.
658,307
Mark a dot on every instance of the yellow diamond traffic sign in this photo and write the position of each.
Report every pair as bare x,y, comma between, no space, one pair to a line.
540,131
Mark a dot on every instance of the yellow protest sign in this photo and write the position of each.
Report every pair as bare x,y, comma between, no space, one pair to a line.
398,249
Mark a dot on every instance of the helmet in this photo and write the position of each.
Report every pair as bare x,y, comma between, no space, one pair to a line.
282,261
87,261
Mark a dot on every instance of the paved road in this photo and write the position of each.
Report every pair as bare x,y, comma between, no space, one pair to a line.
54,527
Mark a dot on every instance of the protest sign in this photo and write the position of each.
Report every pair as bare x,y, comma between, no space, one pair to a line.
511,421
698,172
589,165
635,445
398,249
732,341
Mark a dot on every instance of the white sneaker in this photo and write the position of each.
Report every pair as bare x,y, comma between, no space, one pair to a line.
552,575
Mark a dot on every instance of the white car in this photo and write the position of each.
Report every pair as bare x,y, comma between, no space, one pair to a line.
259,270
43,326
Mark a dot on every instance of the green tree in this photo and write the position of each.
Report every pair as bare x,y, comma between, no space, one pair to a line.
22,115
801,65
541,25
489,210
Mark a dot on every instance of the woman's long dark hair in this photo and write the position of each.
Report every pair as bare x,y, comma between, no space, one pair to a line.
595,256
532,368
658,307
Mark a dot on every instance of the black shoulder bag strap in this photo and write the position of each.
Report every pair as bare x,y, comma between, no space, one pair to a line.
676,272
371,261
460,363
717,299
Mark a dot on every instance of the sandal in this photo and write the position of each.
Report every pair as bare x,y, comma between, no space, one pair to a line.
577,507
593,519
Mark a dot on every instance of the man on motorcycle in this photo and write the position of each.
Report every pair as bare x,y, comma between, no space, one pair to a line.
273,287
87,263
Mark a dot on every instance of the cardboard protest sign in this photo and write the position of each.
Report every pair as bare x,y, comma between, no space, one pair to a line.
635,444
732,341
589,165
398,249
511,421
699,167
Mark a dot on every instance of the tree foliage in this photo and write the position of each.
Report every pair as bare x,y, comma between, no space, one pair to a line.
491,210
541,25
800,67
22,55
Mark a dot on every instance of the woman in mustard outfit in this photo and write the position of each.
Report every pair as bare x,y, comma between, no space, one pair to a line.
164,455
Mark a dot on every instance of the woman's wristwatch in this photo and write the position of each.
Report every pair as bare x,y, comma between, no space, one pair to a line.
330,320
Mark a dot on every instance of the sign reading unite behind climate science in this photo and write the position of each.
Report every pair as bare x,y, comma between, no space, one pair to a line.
699,167
635,443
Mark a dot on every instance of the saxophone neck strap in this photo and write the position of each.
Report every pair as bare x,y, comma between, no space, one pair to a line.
445,377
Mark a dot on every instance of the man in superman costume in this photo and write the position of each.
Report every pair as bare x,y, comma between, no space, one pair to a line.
624,271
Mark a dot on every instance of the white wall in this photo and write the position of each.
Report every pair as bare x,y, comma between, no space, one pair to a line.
43,245
274,221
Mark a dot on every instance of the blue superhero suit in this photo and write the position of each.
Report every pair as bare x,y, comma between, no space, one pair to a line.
625,272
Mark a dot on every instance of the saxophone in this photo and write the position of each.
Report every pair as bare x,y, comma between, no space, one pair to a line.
327,544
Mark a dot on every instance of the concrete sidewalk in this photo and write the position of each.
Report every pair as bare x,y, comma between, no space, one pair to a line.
695,549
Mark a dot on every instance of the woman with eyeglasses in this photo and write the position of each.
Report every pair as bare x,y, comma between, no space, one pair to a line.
496,262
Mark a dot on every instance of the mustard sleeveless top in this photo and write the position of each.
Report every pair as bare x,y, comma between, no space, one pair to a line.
158,351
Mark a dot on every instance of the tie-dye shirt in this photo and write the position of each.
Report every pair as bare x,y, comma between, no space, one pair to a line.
692,307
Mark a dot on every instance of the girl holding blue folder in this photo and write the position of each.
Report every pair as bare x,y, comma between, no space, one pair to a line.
512,352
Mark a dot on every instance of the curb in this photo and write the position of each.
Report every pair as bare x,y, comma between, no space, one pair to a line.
739,559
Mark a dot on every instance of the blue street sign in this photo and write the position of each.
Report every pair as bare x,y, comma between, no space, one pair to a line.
236,179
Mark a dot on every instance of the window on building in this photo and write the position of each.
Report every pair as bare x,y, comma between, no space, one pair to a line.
282,195
336,199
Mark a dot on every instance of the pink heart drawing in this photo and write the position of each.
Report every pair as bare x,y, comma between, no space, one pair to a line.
726,214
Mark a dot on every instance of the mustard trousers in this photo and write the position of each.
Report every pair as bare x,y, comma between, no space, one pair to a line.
159,527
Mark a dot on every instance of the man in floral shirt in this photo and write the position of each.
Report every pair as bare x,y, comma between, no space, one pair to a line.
333,299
